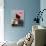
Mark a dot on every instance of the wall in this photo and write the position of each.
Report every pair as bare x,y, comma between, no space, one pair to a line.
30,7
43,6
1,21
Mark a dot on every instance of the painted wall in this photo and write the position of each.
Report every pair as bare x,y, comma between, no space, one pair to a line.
29,7
1,20
43,6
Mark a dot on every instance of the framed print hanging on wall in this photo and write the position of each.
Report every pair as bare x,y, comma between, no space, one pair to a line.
18,18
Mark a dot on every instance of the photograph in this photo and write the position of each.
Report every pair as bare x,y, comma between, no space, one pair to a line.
18,18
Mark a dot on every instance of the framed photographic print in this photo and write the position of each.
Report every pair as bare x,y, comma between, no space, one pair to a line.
18,18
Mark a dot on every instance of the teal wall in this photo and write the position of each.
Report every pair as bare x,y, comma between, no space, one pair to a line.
29,7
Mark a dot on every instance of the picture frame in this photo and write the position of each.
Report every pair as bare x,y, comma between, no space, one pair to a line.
17,17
